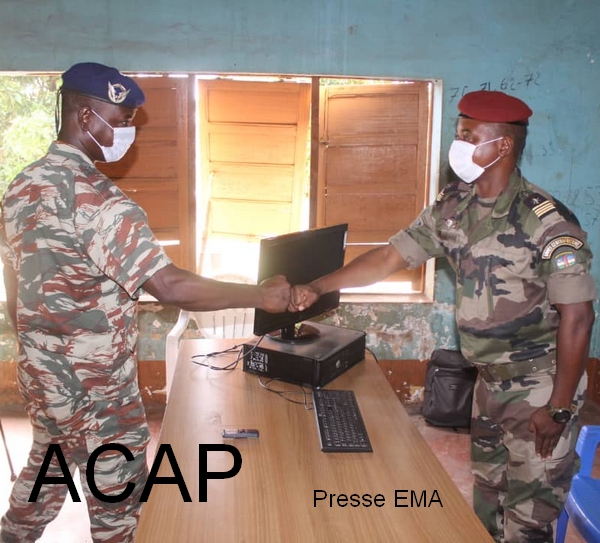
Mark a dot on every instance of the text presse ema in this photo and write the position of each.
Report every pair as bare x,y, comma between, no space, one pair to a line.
321,498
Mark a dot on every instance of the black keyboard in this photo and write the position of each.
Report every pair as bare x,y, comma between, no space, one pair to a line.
341,427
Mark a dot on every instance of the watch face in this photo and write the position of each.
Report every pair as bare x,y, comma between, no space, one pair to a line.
562,416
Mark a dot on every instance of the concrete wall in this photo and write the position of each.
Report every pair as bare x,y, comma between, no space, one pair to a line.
547,52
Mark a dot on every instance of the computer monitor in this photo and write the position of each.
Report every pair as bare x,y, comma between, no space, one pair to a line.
302,257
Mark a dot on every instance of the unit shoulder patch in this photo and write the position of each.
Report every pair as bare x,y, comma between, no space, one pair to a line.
564,260
560,241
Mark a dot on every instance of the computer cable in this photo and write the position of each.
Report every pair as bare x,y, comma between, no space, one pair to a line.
206,358
284,393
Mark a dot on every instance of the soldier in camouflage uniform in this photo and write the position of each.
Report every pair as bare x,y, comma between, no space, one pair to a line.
77,253
523,308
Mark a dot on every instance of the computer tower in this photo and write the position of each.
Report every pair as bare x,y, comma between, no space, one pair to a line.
314,363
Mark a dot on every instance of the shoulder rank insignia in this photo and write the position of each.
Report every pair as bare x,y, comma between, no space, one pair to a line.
450,190
539,204
442,194
560,241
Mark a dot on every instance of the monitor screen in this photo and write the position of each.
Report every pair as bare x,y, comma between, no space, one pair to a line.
302,257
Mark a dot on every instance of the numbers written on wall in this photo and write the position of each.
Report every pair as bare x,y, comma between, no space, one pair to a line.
507,84
584,202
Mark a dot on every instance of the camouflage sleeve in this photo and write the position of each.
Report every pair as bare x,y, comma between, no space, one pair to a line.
409,249
565,260
6,254
571,289
420,241
118,239
569,280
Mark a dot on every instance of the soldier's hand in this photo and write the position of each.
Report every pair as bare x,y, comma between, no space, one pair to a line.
276,294
303,296
547,432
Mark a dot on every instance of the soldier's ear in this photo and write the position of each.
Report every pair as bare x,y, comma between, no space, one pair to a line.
506,146
83,117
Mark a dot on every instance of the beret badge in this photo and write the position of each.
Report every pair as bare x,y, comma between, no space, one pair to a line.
117,93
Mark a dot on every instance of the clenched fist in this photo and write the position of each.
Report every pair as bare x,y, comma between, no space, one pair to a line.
303,296
276,294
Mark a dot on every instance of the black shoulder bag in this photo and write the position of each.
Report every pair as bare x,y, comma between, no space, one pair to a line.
449,384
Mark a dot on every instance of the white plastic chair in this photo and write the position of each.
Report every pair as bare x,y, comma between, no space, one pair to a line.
223,324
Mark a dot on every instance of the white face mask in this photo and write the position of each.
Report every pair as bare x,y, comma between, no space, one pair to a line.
460,157
123,137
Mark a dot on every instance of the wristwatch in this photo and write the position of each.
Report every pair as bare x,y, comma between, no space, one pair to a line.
562,415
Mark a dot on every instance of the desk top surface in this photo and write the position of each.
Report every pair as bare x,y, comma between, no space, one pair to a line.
272,498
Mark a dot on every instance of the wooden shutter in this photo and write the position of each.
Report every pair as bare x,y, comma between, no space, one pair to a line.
253,149
374,163
158,171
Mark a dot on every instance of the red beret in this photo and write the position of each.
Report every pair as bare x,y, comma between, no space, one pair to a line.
494,107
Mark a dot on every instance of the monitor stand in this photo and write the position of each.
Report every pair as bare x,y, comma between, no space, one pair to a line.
302,333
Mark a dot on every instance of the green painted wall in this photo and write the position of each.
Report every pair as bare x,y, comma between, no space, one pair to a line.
545,51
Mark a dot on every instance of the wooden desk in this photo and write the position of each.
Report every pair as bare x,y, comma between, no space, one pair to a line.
271,499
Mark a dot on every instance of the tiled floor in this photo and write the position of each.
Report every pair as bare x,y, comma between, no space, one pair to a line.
72,525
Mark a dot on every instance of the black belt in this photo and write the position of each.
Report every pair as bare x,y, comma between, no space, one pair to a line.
502,372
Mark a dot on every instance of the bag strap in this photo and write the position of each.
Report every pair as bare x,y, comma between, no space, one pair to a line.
447,358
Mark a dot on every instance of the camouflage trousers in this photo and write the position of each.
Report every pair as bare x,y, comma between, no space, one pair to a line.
79,429
517,494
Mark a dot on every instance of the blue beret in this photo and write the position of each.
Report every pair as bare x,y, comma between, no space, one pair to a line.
494,107
104,83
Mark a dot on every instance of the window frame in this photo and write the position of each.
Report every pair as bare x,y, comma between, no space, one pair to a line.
369,295
380,292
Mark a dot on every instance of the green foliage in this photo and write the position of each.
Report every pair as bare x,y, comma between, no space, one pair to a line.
26,122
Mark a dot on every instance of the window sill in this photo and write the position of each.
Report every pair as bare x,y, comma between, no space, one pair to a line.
384,298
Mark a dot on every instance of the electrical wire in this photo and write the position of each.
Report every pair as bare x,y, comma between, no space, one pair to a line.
284,393
205,359
265,384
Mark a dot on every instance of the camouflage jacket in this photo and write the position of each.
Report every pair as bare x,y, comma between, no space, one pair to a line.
81,250
511,266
